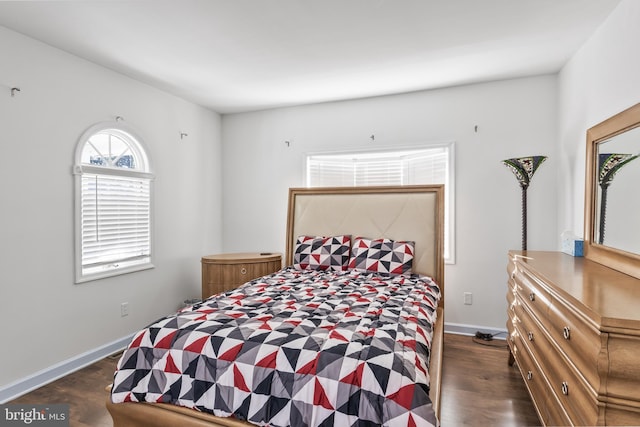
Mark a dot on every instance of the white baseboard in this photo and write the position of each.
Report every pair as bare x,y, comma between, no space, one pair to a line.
470,330
52,373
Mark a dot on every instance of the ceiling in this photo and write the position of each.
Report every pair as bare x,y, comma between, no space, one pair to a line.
243,55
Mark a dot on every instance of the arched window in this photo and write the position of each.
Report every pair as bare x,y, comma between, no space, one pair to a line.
113,203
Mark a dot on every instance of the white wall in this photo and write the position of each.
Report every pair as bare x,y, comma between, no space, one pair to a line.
45,317
514,118
602,79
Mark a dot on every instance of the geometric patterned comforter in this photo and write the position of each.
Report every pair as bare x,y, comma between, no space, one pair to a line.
301,348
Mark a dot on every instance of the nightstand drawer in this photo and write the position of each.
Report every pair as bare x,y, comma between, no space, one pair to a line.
235,274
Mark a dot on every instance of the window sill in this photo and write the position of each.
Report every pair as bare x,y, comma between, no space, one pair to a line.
83,278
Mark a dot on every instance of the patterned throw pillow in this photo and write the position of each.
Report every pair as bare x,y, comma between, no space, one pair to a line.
382,256
322,253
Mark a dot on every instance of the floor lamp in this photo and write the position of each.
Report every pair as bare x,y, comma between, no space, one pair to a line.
608,165
524,168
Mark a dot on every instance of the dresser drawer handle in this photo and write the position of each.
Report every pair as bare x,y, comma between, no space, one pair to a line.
530,336
565,388
532,297
529,375
243,270
566,333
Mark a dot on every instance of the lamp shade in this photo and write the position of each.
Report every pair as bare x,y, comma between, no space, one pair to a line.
609,164
524,168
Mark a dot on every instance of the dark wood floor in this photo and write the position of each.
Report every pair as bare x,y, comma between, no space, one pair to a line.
479,389
83,390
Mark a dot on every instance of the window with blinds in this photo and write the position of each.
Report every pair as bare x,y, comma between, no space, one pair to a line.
429,165
113,202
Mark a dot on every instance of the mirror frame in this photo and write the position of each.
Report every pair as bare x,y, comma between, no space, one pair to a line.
626,262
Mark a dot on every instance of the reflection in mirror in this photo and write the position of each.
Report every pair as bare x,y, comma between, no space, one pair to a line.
611,160
618,201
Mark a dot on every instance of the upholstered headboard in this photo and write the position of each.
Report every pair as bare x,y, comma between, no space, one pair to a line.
400,213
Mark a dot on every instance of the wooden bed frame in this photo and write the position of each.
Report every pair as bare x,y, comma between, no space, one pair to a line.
401,213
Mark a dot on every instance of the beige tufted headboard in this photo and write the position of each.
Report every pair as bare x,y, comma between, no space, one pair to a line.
400,213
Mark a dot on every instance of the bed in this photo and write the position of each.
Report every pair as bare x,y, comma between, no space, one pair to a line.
303,298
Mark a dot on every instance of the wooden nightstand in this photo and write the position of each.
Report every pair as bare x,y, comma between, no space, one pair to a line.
227,271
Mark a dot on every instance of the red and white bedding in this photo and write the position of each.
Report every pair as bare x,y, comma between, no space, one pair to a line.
302,348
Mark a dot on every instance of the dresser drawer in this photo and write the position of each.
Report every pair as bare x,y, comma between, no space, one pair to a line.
531,345
556,413
511,328
549,407
511,296
537,299
533,378
576,397
577,339
527,324
568,389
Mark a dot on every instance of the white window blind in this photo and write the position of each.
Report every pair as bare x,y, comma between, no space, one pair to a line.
429,165
115,220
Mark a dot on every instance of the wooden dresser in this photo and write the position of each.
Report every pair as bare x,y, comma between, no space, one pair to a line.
574,331
223,272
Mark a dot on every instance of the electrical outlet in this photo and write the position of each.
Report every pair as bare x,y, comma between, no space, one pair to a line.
124,309
468,298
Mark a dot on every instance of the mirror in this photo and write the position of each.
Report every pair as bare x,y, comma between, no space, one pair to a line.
612,199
